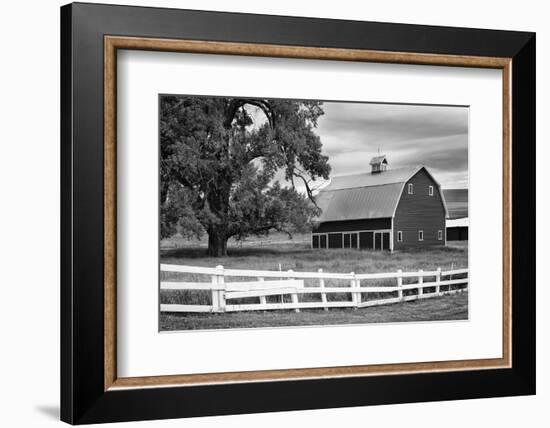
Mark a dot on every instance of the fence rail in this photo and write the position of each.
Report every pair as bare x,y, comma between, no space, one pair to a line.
292,283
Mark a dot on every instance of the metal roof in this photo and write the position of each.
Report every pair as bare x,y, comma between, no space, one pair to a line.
364,196
360,202
458,222
368,179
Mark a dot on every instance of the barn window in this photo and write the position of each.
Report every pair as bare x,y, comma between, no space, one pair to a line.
420,235
439,235
431,190
410,189
399,236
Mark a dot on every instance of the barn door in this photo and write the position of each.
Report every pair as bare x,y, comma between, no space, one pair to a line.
314,241
381,240
377,240
366,240
386,241
347,240
354,240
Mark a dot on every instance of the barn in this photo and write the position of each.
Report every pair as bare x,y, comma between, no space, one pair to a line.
458,221
383,209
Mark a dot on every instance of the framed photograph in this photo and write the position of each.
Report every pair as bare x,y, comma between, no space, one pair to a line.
266,213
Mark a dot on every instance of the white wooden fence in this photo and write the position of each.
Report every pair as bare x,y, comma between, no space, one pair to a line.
292,283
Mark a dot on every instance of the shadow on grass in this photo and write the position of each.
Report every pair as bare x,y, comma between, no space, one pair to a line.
199,253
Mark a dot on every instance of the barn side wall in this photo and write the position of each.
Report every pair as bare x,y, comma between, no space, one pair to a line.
419,211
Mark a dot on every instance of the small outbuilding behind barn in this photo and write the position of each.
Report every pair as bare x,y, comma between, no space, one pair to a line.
458,221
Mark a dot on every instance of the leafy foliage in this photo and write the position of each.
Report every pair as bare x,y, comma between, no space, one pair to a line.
219,158
177,214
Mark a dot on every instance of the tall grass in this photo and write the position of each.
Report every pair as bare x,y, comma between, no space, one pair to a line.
299,256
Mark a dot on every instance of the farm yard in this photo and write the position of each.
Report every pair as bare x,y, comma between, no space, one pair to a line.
279,253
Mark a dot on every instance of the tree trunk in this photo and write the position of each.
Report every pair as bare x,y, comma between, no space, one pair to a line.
217,243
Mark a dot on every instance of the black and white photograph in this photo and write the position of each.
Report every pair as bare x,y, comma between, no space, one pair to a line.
283,212
274,214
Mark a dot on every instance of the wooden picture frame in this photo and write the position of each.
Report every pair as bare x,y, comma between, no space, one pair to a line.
91,390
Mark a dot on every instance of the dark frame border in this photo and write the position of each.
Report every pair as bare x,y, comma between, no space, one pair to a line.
114,43
83,398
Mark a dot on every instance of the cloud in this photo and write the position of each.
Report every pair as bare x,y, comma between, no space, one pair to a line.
435,136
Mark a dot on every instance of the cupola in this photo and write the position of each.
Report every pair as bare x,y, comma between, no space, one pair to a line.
378,164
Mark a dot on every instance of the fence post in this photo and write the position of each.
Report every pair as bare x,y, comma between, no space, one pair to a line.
215,301
322,285
263,300
294,295
399,284
359,295
221,293
437,282
355,297
352,285
420,282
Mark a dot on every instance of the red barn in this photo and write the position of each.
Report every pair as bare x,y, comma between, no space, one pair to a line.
383,210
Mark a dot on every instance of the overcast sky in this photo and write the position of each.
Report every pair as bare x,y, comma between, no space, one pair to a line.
409,135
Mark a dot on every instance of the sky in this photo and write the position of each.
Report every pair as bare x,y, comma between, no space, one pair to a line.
409,135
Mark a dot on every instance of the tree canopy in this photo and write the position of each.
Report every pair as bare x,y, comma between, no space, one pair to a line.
219,161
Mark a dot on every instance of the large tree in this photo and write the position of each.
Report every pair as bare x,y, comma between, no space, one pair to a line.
219,157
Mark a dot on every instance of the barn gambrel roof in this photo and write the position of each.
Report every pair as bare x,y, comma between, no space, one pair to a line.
366,196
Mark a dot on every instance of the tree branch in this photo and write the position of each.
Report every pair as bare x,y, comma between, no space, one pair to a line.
235,104
308,188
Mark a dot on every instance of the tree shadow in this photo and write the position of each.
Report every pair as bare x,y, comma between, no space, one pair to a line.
245,251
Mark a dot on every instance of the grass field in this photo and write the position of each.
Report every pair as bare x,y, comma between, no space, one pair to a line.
450,307
280,253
